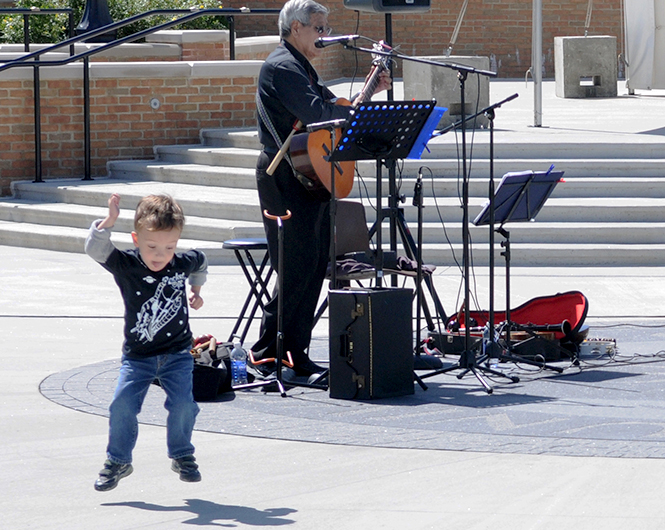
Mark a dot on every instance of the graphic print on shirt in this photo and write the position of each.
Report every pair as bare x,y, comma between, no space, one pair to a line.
159,310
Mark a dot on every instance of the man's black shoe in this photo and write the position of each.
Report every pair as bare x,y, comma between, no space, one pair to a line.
308,367
261,370
111,475
187,467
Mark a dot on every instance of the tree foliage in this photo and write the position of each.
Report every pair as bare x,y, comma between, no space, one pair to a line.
52,28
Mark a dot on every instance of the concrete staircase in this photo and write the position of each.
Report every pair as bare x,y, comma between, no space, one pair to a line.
610,211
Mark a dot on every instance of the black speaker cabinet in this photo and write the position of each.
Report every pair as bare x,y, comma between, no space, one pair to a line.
388,6
371,350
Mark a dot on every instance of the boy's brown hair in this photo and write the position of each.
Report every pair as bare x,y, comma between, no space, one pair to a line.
158,212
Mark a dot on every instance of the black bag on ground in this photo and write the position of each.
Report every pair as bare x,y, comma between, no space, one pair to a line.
210,381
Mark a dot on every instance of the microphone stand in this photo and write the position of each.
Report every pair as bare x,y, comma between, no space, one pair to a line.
467,361
492,350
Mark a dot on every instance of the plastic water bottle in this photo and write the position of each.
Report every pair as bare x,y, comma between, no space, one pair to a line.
238,365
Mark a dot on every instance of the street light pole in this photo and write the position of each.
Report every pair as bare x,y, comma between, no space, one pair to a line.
96,15
537,62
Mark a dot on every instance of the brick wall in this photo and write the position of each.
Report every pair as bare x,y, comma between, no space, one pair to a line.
499,29
124,125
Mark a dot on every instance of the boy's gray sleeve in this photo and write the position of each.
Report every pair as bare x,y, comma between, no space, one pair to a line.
98,243
199,276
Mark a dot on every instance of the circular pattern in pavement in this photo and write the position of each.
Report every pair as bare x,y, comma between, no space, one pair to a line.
605,407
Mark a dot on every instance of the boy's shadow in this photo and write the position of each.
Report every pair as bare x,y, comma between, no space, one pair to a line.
208,513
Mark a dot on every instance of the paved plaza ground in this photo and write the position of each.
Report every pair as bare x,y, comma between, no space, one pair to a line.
582,449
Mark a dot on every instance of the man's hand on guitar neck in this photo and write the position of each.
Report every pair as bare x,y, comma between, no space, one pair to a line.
385,82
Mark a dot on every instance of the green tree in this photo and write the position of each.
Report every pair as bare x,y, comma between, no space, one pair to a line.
52,28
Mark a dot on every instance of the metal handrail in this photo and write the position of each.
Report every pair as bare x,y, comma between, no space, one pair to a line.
27,12
85,56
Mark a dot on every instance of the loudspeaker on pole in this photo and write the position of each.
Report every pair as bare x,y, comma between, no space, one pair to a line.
388,6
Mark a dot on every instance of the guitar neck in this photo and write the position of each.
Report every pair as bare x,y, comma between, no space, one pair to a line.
371,84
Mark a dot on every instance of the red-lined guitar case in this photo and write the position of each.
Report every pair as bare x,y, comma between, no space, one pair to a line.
570,307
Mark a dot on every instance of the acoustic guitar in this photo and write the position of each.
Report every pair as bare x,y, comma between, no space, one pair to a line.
309,151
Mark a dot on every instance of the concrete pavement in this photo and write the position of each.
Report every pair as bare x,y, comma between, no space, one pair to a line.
61,311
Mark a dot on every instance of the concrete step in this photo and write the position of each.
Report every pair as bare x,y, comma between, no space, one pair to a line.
185,173
221,229
242,138
596,146
555,210
552,255
82,216
69,239
563,234
581,187
234,157
243,205
210,201
480,167
203,169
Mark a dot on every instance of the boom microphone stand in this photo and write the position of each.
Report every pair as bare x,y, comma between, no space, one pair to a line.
467,360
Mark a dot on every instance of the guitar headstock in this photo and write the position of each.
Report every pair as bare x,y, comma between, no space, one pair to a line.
381,60
379,64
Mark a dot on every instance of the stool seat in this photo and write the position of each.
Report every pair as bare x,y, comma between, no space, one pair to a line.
247,243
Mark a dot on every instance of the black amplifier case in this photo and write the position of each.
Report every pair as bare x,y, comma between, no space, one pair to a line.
371,350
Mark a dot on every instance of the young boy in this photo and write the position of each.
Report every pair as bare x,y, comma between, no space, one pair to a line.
157,344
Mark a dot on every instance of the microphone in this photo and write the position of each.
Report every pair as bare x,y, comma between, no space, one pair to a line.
340,39
418,189
332,124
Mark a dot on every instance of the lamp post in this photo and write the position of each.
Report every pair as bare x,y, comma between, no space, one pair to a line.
96,15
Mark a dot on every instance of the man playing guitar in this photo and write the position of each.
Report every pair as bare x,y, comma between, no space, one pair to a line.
290,91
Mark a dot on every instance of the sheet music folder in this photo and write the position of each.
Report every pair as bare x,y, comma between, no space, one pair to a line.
520,196
387,130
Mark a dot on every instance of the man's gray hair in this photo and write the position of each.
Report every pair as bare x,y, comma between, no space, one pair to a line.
300,10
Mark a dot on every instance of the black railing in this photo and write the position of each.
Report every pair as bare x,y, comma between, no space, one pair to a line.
32,60
28,12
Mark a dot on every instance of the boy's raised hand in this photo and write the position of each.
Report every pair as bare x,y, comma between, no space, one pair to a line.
114,212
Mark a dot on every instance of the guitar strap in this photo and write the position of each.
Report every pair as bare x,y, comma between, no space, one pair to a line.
263,114
309,185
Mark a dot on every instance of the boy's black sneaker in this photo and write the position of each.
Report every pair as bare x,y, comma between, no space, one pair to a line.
187,467
111,475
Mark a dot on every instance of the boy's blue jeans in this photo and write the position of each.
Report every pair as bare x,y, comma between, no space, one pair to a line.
174,372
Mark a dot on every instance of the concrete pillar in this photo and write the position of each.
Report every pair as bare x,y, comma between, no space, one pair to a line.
425,81
585,66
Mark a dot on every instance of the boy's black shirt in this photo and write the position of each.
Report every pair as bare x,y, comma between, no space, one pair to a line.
156,305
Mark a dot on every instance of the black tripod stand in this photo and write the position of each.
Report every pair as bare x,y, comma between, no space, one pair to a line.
395,214
387,132
467,361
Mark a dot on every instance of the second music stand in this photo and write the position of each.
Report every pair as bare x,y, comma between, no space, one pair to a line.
519,197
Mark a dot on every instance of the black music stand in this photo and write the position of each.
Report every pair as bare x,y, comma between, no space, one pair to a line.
519,197
387,130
